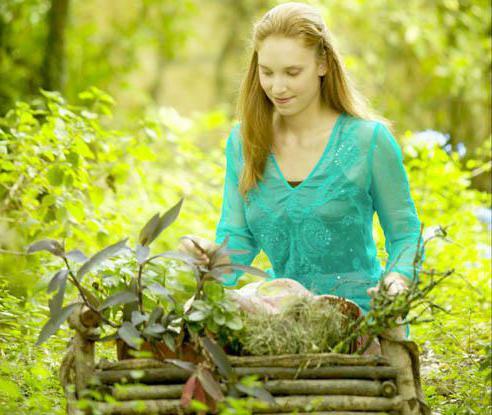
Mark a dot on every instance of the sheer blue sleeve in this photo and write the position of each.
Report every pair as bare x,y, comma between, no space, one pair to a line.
393,203
232,221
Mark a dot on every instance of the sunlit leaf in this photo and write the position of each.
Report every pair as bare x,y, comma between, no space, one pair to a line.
157,224
170,341
55,322
142,252
57,279
210,384
154,329
138,317
50,245
167,219
257,392
148,229
56,302
218,356
130,335
156,314
121,297
183,364
101,256
180,256
76,255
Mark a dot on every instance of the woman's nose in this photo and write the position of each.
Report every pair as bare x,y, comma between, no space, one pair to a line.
278,87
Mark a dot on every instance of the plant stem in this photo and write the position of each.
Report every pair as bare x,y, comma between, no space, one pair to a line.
84,298
139,288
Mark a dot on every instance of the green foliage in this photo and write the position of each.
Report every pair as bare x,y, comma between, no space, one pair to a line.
66,176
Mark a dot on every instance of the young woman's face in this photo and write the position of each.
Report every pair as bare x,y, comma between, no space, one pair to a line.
289,70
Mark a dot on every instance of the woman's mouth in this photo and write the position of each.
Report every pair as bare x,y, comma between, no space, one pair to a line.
283,100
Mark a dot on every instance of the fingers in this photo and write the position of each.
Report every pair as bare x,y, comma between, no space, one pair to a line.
186,244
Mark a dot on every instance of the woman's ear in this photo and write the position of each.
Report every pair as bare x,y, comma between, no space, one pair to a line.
322,69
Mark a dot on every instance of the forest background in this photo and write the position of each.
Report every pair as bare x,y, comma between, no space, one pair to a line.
110,111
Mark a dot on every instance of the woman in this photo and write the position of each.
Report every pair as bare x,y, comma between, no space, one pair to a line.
309,164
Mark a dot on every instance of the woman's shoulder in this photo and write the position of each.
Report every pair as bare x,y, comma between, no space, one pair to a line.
234,141
362,130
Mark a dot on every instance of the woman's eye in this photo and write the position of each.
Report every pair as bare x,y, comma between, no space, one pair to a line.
293,73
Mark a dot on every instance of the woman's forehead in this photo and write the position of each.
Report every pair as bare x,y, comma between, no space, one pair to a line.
283,53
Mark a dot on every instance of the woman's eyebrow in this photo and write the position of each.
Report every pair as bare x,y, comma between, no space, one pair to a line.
288,67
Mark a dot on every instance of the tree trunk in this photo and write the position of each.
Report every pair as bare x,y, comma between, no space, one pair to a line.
53,71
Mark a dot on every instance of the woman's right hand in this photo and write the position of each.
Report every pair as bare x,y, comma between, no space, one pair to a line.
208,247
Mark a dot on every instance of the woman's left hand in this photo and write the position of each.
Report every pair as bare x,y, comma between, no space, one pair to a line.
394,281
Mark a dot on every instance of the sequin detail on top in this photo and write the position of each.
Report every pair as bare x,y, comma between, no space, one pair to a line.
320,232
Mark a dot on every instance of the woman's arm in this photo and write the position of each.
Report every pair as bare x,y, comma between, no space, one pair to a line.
232,220
393,203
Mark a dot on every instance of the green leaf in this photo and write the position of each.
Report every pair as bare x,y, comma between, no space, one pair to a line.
156,314
157,224
142,253
235,323
218,356
154,330
55,176
258,392
219,318
160,290
100,257
49,245
180,256
57,280
213,290
56,302
183,364
76,255
54,323
170,341
121,297
148,229
129,308
197,315
212,326
130,335
138,317
210,384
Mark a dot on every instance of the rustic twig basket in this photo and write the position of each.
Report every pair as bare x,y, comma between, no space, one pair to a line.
325,383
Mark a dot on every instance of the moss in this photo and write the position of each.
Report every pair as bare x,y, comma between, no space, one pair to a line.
305,326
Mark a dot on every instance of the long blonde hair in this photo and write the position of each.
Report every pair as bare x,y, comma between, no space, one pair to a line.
255,110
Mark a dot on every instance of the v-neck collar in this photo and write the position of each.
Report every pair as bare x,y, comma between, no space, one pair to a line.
327,148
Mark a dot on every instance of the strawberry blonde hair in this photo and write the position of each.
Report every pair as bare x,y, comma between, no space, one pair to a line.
255,110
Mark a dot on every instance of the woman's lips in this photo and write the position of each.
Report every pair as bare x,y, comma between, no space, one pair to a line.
283,101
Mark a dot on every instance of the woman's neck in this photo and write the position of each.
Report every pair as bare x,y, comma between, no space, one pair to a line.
301,128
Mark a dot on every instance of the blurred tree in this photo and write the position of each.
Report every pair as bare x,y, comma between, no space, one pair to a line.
53,68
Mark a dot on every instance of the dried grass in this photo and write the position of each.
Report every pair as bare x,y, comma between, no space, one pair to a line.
304,326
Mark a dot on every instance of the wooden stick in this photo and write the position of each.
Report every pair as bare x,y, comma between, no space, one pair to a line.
294,360
170,375
313,359
329,413
337,403
283,405
173,374
275,387
400,359
334,372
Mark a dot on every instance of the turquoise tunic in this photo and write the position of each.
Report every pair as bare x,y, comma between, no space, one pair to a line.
320,232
